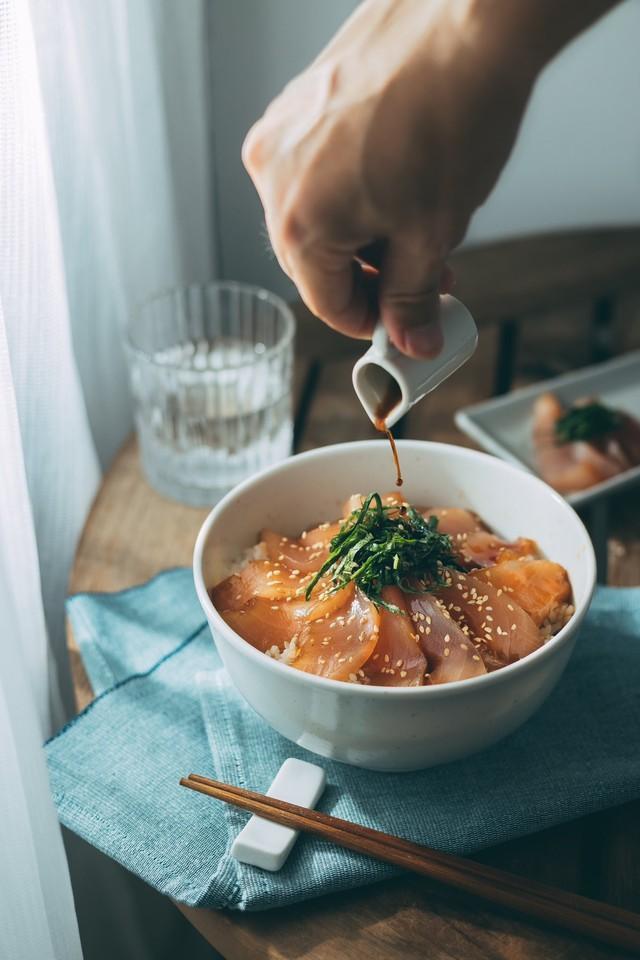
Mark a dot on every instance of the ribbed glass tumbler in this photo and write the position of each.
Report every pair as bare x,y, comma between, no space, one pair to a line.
210,368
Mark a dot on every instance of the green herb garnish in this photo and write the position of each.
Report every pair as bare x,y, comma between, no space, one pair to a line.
587,422
380,546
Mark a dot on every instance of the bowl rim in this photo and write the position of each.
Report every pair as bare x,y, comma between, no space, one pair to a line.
299,676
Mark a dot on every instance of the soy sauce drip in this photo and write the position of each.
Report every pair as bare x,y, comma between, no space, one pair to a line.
392,398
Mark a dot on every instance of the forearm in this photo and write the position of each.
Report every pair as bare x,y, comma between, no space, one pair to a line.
529,33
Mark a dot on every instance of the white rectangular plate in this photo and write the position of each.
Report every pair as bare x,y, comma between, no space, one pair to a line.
503,425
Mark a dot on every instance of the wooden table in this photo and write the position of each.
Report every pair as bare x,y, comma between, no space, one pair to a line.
132,533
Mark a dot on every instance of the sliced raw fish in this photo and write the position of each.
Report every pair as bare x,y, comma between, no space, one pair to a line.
492,616
481,549
339,644
398,660
454,521
538,586
264,624
259,578
307,553
450,652
566,466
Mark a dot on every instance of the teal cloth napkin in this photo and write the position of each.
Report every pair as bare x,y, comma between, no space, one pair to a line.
165,707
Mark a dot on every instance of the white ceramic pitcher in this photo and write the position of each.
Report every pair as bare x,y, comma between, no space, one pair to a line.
385,378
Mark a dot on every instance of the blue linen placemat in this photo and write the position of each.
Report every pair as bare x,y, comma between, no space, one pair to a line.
165,707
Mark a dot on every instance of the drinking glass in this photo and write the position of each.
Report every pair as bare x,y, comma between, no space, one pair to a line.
210,368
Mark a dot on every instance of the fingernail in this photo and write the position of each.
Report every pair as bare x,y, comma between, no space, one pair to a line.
424,342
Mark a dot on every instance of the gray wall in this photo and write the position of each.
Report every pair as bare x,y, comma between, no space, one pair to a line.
577,160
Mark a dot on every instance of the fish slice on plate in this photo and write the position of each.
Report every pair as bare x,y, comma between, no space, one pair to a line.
580,431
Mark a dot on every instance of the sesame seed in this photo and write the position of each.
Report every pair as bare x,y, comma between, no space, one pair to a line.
475,657
403,673
447,651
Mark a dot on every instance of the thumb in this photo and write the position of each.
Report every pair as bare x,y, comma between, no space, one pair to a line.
409,298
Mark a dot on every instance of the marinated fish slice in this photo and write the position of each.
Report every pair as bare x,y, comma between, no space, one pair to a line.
518,550
259,578
450,652
568,466
491,616
454,521
265,624
305,554
398,660
556,463
538,586
481,549
339,645
322,604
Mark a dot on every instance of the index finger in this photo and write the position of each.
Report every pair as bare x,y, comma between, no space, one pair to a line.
337,289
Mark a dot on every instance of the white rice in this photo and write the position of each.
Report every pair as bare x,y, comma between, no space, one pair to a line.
257,552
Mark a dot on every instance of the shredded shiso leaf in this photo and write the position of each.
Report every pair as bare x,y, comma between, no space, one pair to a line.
380,546
585,423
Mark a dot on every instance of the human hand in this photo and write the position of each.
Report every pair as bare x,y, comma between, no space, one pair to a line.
389,141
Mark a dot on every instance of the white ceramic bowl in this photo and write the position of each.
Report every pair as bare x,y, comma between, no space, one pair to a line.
387,728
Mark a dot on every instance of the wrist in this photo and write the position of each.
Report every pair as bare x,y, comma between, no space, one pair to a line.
526,34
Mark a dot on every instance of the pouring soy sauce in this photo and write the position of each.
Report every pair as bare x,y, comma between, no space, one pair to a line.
369,259
391,399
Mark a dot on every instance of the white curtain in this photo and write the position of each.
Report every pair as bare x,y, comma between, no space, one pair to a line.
105,195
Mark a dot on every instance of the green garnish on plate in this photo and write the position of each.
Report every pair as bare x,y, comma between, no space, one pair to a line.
380,546
586,422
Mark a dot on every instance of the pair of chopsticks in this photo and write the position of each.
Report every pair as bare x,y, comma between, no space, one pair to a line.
592,918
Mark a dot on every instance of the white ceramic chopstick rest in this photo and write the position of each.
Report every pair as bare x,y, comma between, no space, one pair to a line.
383,368
264,844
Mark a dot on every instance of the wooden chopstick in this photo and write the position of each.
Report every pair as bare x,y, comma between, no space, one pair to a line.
568,910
